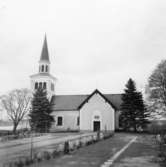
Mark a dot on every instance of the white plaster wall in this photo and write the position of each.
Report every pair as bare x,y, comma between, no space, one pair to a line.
69,120
46,79
97,104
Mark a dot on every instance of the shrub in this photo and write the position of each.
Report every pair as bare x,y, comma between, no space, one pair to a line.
79,145
8,164
46,155
89,142
55,154
37,157
66,147
74,146
19,163
98,135
28,161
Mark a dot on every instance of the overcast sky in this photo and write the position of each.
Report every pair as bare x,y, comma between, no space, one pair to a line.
92,43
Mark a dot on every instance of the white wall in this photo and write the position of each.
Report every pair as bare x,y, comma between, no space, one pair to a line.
97,105
69,120
48,80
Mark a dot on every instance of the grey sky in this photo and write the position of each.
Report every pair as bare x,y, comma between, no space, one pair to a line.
92,43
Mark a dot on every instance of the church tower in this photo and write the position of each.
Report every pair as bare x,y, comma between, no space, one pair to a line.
43,79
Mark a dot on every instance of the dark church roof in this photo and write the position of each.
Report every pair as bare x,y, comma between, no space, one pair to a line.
75,102
44,53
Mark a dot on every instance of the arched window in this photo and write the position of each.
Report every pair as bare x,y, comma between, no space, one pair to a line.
44,85
40,85
36,85
46,68
42,68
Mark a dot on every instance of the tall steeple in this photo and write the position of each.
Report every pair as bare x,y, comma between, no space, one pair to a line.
44,53
43,79
44,62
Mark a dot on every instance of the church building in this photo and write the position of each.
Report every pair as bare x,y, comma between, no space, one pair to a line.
91,112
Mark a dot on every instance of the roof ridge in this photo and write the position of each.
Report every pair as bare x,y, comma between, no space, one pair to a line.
72,95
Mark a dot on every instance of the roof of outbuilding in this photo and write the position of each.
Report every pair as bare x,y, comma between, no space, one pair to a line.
74,102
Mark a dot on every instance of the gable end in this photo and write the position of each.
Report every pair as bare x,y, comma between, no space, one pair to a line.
96,92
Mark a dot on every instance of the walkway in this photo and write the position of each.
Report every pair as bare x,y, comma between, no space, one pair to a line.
142,153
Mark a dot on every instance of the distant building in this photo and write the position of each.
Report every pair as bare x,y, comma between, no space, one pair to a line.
92,112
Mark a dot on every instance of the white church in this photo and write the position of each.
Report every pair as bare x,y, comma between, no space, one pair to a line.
92,112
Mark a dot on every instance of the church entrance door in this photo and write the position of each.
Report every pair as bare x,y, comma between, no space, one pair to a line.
96,126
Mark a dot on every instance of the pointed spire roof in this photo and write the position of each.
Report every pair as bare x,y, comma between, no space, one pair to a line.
44,53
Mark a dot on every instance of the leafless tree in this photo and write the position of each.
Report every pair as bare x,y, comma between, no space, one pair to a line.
16,104
157,88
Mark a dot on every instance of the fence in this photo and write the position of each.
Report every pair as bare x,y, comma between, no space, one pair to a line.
51,151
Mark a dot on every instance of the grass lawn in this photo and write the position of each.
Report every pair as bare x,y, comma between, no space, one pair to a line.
142,153
93,155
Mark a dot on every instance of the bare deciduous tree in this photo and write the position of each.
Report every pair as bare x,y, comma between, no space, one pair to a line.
17,105
157,88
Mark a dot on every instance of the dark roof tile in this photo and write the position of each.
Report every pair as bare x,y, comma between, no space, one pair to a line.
74,102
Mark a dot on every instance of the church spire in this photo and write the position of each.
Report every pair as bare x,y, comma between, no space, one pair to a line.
44,54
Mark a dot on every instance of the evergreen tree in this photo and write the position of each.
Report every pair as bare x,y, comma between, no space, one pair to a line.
134,114
40,118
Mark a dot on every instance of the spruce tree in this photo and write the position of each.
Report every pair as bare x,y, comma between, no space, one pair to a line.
134,113
40,118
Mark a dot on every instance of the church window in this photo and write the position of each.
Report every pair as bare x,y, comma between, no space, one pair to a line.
36,85
44,85
52,86
46,68
42,68
59,121
78,121
40,85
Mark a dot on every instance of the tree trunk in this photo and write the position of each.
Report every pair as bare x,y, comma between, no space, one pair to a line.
135,128
14,127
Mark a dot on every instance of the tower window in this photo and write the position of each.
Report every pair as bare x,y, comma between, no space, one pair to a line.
40,85
46,68
78,121
44,85
42,68
59,121
36,85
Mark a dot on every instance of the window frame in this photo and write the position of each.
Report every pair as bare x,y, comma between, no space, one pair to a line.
46,68
36,85
58,124
78,121
44,85
42,69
